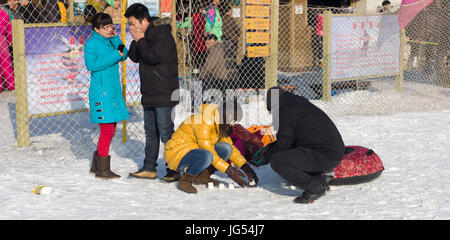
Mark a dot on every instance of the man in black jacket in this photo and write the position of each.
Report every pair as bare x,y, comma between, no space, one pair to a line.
308,144
25,10
155,50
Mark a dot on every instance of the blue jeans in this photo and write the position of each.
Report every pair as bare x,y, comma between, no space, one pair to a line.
158,125
197,160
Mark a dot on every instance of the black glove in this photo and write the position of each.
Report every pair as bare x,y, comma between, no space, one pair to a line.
258,157
236,175
251,175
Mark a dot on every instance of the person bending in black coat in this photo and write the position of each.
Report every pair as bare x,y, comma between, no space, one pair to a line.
308,145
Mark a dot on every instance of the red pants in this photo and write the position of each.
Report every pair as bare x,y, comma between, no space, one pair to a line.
107,131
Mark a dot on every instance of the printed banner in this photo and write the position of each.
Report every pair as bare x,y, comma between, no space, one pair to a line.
166,5
152,5
364,46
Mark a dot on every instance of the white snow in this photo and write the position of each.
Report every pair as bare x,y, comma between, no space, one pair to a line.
414,147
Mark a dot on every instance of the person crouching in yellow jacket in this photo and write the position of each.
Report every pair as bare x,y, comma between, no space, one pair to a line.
202,144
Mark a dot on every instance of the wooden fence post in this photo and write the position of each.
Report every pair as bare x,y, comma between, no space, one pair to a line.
242,48
292,36
399,78
20,76
326,57
272,59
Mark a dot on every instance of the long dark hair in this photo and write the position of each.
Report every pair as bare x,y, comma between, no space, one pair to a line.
228,111
100,20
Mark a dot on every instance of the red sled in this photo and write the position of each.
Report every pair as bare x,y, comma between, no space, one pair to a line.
359,165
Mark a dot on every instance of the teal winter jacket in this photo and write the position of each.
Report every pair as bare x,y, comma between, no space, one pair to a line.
105,93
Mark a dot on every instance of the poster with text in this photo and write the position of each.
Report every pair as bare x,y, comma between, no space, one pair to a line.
152,5
364,46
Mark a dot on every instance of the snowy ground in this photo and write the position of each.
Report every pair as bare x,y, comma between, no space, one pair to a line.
414,147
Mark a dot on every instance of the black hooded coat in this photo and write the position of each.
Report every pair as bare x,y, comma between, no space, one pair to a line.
304,133
157,56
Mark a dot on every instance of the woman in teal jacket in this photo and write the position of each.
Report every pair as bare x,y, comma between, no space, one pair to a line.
102,53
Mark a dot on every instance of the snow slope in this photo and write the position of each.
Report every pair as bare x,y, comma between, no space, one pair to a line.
413,146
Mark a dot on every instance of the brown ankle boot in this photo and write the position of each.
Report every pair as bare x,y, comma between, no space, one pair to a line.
204,178
103,170
185,183
94,162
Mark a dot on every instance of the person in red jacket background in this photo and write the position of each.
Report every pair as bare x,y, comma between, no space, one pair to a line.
7,72
199,43
318,41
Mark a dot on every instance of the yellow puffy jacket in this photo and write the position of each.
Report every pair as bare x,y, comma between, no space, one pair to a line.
200,130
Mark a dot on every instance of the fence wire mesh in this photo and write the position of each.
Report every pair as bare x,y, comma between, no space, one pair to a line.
425,81
51,65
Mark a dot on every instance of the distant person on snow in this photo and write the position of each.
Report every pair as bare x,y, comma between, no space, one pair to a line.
308,145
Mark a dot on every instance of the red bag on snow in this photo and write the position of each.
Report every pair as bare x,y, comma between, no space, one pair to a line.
359,165
244,140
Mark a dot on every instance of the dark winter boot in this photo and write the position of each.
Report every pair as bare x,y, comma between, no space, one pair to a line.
103,170
185,183
308,197
329,175
318,188
94,162
205,177
171,176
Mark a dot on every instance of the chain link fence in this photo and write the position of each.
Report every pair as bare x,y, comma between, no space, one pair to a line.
422,56
46,96
371,86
